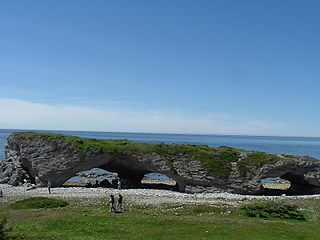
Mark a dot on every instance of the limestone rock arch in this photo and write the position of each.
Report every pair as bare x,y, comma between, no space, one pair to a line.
39,157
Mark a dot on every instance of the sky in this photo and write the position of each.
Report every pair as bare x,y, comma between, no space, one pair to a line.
169,66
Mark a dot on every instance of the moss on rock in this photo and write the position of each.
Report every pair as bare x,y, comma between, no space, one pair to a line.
216,160
256,160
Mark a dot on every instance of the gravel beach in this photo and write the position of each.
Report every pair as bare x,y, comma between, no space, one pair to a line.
136,196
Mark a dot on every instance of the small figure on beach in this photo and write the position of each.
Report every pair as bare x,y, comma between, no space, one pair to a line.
119,184
49,186
1,193
114,182
111,204
119,203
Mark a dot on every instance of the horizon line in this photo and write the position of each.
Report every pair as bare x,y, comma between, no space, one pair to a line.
216,134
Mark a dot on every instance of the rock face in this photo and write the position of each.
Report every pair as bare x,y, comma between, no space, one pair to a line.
37,158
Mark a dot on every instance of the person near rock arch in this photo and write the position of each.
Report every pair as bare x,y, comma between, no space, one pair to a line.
111,204
119,184
49,186
119,203
114,182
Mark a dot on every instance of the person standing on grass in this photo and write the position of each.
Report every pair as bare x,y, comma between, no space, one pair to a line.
49,186
119,204
111,204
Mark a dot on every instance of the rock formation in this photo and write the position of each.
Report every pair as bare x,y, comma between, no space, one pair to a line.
39,157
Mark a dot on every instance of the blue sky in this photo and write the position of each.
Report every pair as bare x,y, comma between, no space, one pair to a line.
226,67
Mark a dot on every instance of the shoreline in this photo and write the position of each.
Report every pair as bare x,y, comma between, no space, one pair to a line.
137,196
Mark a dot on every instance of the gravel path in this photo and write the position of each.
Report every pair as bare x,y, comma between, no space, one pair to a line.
137,196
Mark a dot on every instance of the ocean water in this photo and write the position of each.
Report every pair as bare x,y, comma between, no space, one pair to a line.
306,146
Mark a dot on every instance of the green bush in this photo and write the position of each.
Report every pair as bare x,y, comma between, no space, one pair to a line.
271,210
5,232
38,202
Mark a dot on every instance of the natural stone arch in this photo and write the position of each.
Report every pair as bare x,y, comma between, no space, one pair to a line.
302,177
155,180
268,183
39,157
95,177
299,184
42,160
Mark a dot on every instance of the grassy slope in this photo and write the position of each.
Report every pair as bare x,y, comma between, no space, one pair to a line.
38,202
162,222
217,160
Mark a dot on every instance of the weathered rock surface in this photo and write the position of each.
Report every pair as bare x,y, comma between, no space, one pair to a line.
37,158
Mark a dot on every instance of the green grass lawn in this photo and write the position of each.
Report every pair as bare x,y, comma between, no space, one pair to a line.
147,222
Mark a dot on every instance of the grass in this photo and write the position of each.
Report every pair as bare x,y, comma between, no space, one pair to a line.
38,202
5,231
84,144
272,210
216,160
220,161
138,222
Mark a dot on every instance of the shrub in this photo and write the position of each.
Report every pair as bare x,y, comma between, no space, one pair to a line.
5,232
38,202
271,210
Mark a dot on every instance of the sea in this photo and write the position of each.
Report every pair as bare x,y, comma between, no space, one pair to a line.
305,146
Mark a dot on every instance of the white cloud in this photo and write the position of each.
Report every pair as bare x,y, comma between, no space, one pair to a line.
21,114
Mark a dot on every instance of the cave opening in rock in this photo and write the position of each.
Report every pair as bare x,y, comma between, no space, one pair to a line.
95,177
289,183
158,181
98,177
299,184
275,186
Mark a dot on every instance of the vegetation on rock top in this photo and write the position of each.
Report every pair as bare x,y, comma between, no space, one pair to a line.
217,160
257,160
